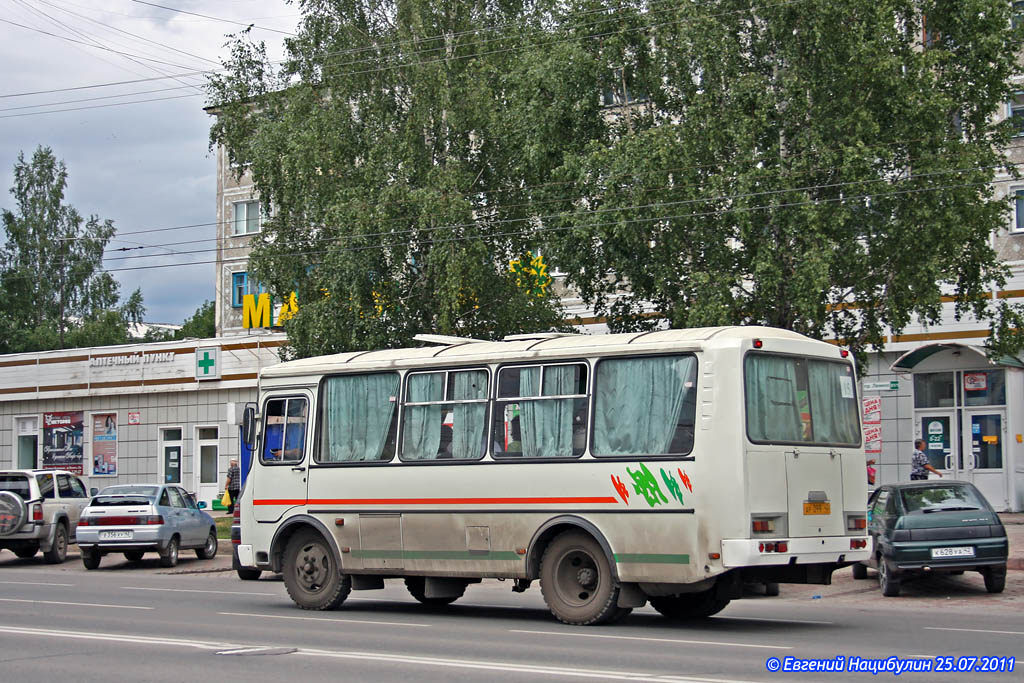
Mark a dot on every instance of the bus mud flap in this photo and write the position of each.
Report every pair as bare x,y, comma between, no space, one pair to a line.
630,595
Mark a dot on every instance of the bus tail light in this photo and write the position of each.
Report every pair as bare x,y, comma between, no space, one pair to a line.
758,343
844,353
858,543
774,547
854,523
37,512
763,526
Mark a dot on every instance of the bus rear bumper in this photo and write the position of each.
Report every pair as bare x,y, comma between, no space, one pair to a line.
245,557
744,552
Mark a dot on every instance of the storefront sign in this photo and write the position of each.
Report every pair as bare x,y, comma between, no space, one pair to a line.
891,385
975,381
134,418
104,444
208,362
62,441
132,359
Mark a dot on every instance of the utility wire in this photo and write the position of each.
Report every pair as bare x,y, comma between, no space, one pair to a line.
207,16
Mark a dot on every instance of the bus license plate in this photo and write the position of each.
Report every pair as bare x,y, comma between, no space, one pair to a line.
115,535
817,508
953,552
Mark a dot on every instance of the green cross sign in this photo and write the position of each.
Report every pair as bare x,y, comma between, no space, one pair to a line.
207,366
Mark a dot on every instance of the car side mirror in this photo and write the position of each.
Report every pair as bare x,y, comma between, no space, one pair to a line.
201,505
93,491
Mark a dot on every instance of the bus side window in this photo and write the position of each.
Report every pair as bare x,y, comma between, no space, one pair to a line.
541,411
284,430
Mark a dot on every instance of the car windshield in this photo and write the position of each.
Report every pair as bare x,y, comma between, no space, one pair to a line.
110,501
122,489
941,498
15,483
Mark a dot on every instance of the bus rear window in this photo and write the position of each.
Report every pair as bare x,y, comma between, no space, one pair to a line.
800,400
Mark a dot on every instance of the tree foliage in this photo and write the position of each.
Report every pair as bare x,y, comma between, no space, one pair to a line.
200,325
55,292
824,166
397,175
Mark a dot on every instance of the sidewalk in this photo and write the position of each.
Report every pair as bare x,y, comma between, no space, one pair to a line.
1014,523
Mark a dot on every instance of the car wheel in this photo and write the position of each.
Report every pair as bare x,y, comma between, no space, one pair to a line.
91,559
59,550
208,551
133,555
169,557
860,571
995,579
771,589
248,574
887,579
576,581
416,585
311,573
689,605
27,551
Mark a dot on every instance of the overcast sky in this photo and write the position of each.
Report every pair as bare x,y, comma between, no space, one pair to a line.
146,166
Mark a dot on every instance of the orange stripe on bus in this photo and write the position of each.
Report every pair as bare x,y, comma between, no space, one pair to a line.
432,501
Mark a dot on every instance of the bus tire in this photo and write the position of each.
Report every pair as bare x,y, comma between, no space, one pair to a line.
416,586
689,605
576,581
247,574
311,573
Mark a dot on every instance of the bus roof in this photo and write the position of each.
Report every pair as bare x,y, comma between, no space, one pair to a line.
471,351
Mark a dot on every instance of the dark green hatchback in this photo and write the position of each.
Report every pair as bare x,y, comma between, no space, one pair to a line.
933,527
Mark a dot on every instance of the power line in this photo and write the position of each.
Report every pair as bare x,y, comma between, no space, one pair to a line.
206,16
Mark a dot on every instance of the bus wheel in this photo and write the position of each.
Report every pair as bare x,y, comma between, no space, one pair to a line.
576,581
417,586
689,605
311,573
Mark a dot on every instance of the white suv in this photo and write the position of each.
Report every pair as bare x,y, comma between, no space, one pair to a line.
39,510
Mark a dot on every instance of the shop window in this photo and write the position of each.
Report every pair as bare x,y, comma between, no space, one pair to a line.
984,387
934,390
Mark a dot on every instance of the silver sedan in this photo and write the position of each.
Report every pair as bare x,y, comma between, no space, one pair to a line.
137,518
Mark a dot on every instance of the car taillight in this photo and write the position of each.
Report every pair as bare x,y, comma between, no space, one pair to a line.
37,512
86,521
121,520
152,520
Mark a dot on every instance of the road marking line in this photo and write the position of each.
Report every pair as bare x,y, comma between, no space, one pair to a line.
79,604
973,630
341,621
191,590
785,621
656,640
116,637
513,667
35,583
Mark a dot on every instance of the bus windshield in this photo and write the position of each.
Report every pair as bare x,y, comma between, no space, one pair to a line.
796,400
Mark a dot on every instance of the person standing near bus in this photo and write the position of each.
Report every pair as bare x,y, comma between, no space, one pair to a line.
919,465
233,485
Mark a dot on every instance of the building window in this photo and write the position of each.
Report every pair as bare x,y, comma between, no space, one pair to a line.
246,218
619,93
1015,112
241,285
1018,13
1018,209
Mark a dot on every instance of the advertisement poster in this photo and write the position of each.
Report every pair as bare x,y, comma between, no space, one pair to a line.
104,444
872,415
62,441
975,381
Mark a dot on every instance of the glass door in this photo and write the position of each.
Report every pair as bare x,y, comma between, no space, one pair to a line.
170,461
984,436
938,429
211,478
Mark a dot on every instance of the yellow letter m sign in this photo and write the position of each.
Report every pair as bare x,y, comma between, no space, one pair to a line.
256,310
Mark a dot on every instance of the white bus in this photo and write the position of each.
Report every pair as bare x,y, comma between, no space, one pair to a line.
671,467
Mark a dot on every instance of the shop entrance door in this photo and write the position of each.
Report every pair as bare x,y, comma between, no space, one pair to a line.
940,430
984,436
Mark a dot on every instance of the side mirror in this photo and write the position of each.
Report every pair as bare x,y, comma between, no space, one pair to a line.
93,491
249,424
201,505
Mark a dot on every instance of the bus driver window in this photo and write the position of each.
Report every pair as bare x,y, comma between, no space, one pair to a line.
285,430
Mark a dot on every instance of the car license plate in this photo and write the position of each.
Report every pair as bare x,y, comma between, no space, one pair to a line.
115,535
967,551
817,508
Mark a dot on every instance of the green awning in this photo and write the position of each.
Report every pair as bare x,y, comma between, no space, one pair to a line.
910,359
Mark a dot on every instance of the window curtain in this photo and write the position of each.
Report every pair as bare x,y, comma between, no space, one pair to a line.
422,430
773,413
358,415
639,402
833,418
545,425
469,423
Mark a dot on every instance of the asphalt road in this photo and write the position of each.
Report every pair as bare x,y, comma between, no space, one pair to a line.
144,623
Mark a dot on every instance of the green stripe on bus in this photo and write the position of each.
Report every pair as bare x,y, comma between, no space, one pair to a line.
437,555
652,558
